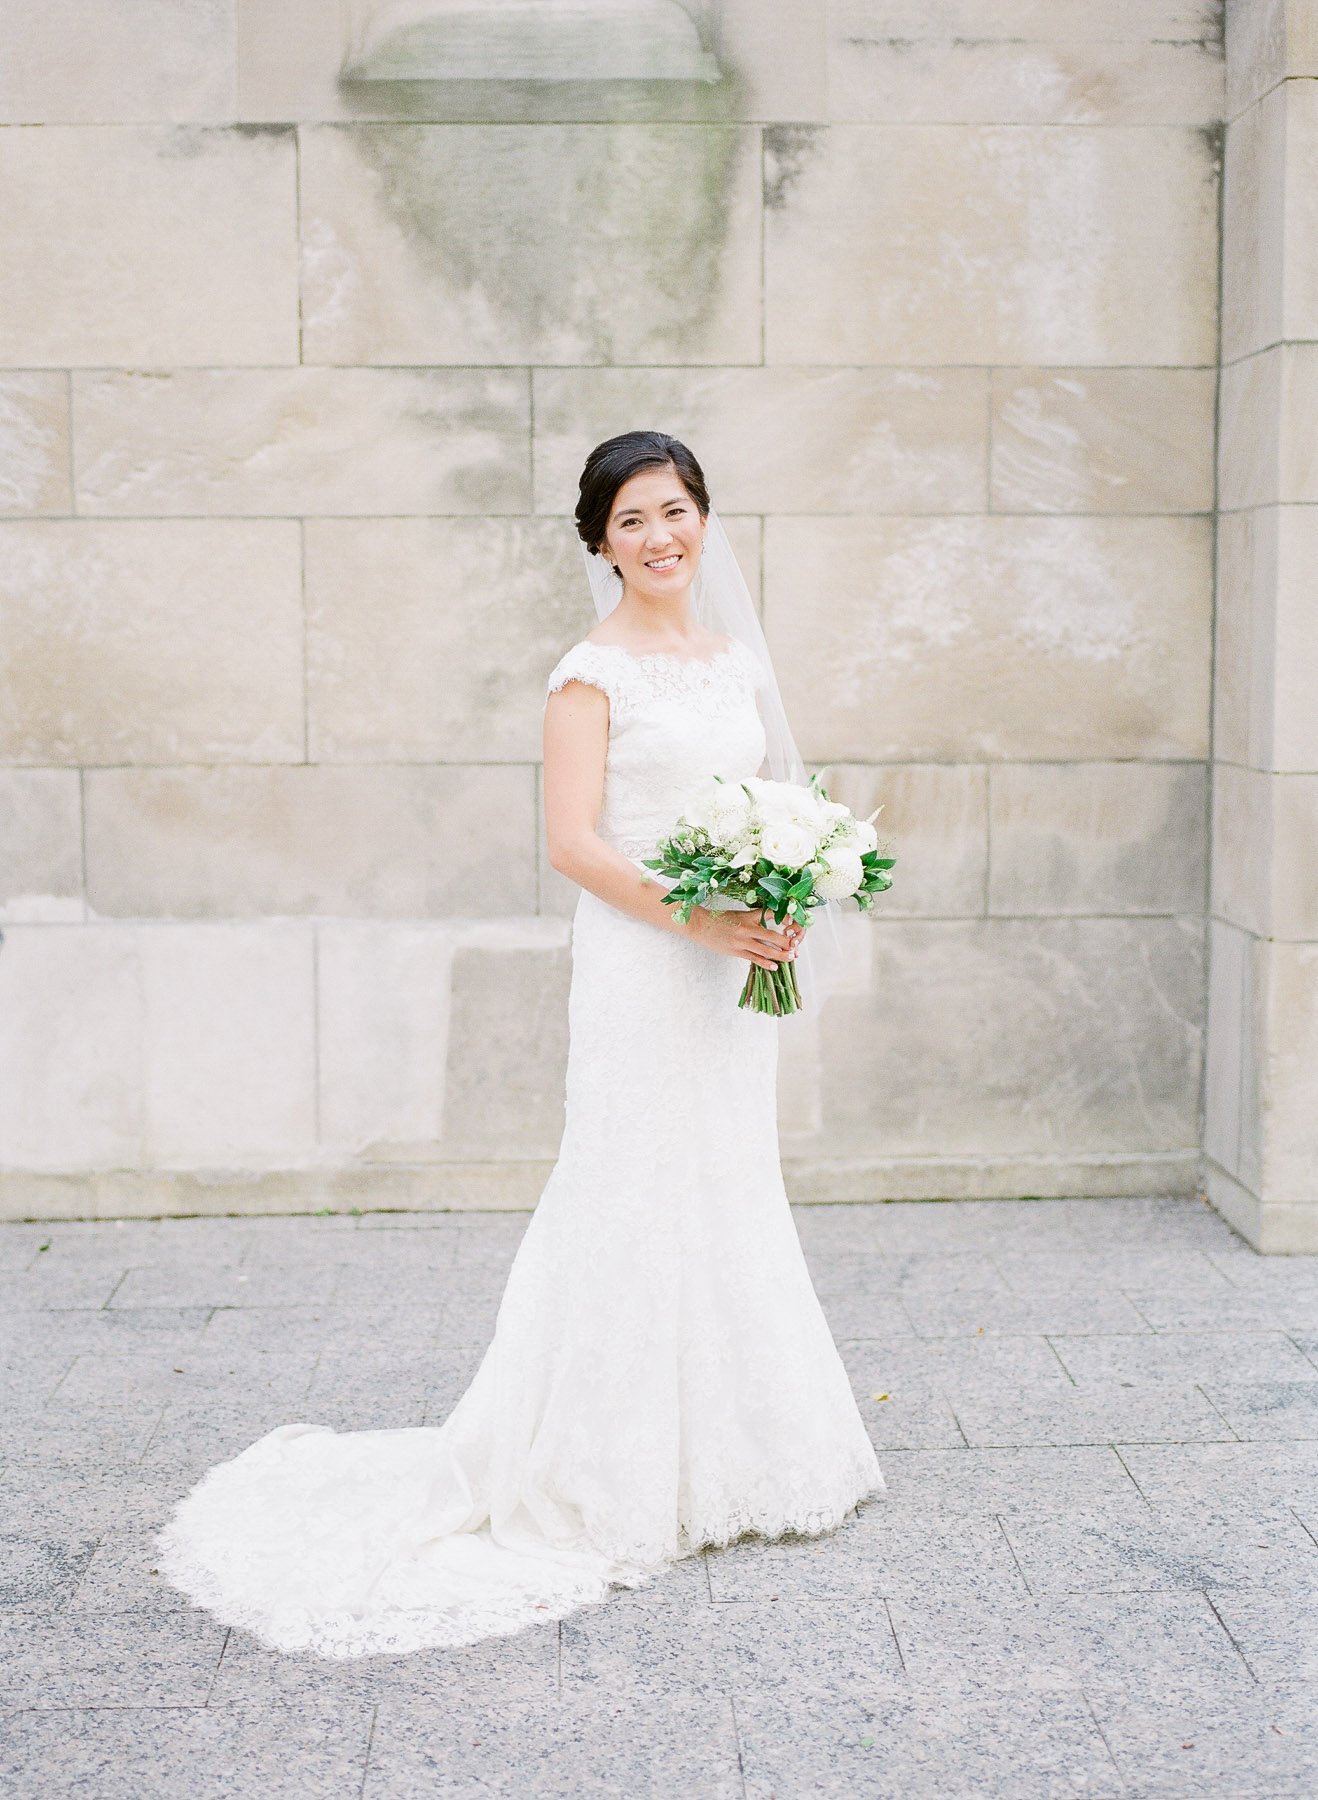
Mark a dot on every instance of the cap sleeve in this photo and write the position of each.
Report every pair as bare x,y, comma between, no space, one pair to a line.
592,664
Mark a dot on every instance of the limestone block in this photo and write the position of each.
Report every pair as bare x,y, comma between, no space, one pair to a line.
1300,302
1265,836
71,1017
1011,638
40,844
303,441
781,440
383,1003
1097,837
1268,438
176,1045
1267,40
1299,424
921,71
1290,1081
1243,675
159,246
1268,1192
1102,440
1012,1037
935,815
1267,638
774,58
80,62
34,443
537,244
1295,716
507,1051
391,1064
1254,227
228,1048
289,53
1250,446
217,843
984,244
170,641
431,638
1242,844
1230,1003
1062,21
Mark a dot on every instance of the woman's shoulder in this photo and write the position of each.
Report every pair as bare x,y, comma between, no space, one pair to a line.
618,669
594,664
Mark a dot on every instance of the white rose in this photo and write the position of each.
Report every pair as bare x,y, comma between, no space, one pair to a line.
789,806
787,843
863,836
843,874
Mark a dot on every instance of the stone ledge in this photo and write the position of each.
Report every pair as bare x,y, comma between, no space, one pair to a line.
515,1186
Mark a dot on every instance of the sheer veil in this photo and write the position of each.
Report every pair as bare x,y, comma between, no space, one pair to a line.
723,602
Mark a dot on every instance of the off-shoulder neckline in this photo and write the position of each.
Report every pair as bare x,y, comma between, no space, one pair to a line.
703,662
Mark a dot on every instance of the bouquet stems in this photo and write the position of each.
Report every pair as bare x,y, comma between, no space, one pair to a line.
772,990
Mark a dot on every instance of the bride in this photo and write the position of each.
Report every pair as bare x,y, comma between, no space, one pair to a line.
661,1376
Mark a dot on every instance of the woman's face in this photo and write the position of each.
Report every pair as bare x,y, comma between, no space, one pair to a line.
654,533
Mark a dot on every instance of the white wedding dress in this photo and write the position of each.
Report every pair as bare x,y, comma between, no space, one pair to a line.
661,1375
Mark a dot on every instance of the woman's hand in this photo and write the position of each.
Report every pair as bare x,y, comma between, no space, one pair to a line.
750,935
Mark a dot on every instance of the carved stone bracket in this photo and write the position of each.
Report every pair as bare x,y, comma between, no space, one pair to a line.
527,40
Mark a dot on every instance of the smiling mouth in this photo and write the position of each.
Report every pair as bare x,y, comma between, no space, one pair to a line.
664,562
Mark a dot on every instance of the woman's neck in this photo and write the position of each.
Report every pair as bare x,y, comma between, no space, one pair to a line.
670,620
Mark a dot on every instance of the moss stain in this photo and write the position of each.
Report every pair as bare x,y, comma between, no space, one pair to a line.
787,150
581,234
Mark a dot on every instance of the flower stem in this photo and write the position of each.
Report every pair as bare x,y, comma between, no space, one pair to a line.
774,991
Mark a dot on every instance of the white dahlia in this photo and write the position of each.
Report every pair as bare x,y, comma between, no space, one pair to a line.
842,875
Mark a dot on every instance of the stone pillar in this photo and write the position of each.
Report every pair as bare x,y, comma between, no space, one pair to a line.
1261,1128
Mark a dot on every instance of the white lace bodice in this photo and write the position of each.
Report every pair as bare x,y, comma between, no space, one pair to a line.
672,721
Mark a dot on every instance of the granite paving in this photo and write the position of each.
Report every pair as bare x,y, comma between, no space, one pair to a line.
1094,1571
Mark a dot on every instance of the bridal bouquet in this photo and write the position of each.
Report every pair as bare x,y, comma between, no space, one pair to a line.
776,846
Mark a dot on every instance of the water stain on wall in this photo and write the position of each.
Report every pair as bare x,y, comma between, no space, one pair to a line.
569,231
787,150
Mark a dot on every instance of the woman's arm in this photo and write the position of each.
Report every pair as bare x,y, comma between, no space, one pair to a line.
576,748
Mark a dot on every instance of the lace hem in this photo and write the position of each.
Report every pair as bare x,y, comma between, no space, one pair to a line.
540,1592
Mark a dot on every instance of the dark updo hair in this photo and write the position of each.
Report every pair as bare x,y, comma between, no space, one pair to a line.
615,461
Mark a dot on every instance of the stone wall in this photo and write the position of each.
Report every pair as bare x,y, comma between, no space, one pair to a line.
300,373
1262,1125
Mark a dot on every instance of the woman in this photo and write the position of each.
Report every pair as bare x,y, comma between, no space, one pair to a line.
661,1376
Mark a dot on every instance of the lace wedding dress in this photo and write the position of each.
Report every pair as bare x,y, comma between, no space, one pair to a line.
661,1375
